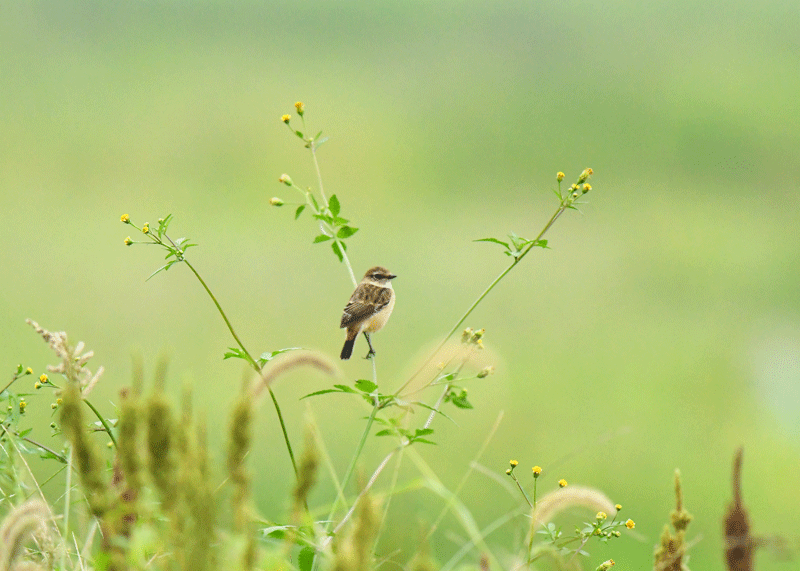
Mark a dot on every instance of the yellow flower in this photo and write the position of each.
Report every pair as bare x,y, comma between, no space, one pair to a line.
606,565
586,187
43,378
601,516
128,241
562,483
22,405
513,463
286,118
537,471
560,176
618,507
28,371
630,524
285,179
146,228
584,175
508,472
300,108
59,401
125,218
37,385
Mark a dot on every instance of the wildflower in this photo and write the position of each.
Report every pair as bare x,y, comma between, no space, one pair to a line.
618,507
125,218
575,195
275,201
285,179
605,565
486,372
601,516
146,228
513,463
128,241
508,472
22,405
28,371
59,401
537,471
286,118
37,385
586,187
53,406
630,524
560,176
584,175
562,483
466,335
43,378
300,108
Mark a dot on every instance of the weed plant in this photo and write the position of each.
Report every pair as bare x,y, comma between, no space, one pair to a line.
140,491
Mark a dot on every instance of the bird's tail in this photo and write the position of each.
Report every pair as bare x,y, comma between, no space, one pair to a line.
347,350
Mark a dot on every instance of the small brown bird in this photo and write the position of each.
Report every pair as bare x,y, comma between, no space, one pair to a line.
369,308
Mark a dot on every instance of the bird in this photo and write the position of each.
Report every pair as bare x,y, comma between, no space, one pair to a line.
369,308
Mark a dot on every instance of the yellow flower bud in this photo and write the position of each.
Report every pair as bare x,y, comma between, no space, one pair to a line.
275,201
562,483
560,176
300,108
286,118
125,218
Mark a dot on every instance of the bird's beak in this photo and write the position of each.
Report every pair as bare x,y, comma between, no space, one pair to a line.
391,277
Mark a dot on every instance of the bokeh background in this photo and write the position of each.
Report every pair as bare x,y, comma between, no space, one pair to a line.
661,331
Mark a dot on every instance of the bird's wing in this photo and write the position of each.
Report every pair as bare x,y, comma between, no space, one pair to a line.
365,302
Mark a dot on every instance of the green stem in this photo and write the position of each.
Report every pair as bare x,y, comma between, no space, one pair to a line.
283,428
561,208
103,421
225,318
252,363
351,468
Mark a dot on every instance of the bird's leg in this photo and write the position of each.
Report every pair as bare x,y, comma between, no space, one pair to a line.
371,353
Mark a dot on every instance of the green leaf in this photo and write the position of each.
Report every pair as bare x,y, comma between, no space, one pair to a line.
366,386
266,357
324,218
334,206
299,211
494,240
540,243
322,238
317,135
423,440
234,352
336,250
387,432
305,559
322,392
346,232
313,201
423,432
339,221
299,134
164,268
321,141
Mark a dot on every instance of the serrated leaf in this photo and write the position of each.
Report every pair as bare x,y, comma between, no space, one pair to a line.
365,386
324,218
337,251
269,356
322,392
346,389
322,238
334,206
423,431
299,211
346,232
234,352
494,240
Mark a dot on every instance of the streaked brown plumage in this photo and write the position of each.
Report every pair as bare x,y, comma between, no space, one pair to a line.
369,308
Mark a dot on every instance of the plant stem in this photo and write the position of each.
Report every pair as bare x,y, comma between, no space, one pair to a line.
252,363
561,208
247,355
103,421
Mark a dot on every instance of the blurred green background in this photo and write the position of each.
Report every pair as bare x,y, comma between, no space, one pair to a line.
661,331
